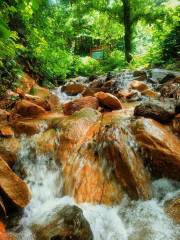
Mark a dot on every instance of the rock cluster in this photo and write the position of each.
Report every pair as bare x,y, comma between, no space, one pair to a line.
106,142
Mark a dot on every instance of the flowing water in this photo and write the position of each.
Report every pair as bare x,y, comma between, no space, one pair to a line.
129,220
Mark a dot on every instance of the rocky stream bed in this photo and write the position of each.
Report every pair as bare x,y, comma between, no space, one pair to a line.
97,158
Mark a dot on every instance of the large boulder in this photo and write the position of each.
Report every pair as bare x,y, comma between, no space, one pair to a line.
15,188
160,111
28,109
38,101
159,146
118,148
83,102
73,89
67,223
84,177
108,100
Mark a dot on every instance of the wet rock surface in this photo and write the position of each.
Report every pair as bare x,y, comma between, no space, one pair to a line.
13,186
159,147
67,223
160,111
83,102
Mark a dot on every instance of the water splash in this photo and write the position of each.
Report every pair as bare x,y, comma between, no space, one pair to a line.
130,220
63,97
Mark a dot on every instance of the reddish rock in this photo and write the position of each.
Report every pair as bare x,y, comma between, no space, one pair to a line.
29,109
117,147
38,101
160,147
82,169
137,85
13,186
73,89
83,102
108,100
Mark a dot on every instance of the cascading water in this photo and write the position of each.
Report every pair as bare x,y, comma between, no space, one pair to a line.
130,220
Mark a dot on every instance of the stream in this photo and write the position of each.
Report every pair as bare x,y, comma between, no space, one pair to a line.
128,220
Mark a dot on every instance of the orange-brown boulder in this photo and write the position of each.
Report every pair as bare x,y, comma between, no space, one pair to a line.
83,102
137,85
29,109
38,101
160,147
118,148
84,176
9,148
15,188
108,100
172,208
73,89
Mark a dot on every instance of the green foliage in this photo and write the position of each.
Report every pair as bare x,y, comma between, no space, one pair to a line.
88,66
114,61
48,37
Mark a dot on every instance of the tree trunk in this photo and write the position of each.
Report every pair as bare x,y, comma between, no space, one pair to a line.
128,30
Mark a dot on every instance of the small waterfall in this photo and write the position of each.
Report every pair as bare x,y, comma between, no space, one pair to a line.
63,97
130,220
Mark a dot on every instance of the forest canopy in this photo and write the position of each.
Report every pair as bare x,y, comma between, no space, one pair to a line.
57,39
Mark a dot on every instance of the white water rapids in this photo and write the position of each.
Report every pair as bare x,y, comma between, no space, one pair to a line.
130,220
